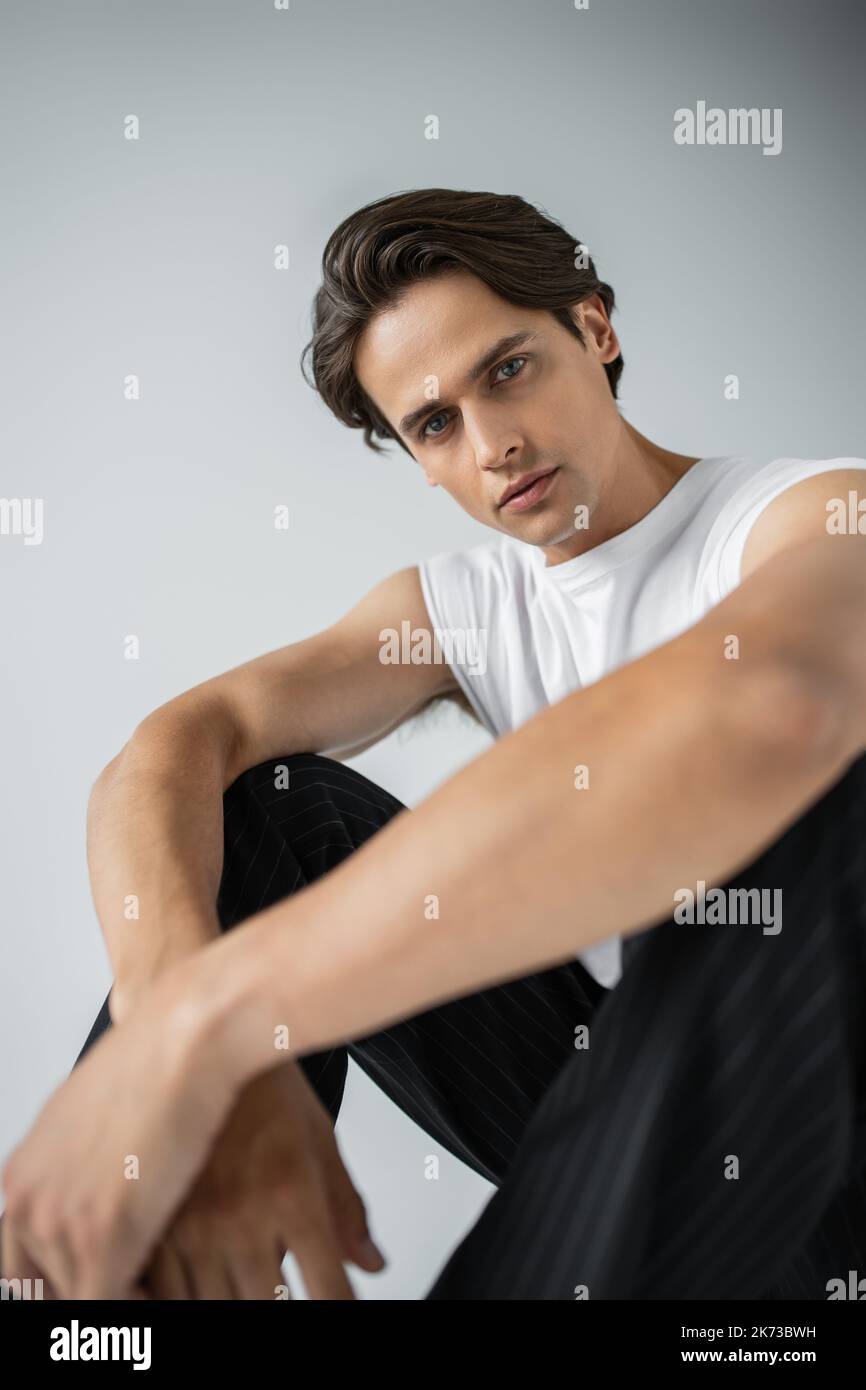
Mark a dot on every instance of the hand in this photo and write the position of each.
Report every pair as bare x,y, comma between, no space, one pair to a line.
274,1181
115,1149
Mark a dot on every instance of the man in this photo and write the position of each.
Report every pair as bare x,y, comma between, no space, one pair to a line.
670,652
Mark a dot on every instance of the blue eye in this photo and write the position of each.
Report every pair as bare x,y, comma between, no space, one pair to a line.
422,433
430,422
508,364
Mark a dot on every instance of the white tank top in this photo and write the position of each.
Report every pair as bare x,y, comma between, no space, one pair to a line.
549,630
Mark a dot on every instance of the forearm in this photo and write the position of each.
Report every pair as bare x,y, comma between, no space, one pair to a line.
695,765
155,846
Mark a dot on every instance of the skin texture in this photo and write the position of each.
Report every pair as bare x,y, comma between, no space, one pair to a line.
699,763
545,405
338,961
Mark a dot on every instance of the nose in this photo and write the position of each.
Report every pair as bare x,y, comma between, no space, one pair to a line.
493,441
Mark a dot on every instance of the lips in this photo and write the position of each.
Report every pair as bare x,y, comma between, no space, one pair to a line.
523,484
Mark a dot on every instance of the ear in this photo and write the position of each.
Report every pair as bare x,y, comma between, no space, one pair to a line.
592,317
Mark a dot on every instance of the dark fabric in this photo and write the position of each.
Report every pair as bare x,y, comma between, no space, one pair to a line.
610,1162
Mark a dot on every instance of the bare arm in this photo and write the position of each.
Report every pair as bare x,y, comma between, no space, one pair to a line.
696,764
155,814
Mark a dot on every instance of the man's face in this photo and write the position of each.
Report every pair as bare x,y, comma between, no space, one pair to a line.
480,426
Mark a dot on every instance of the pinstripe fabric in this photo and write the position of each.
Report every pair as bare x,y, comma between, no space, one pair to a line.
610,1161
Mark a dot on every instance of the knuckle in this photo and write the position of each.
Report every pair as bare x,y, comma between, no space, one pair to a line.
349,1205
45,1222
245,1244
214,1198
13,1176
189,1235
352,1206
300,1223
290,1197
219,1214
18,1200
87,1237
87,1278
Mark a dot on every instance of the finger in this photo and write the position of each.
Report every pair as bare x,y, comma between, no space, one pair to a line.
166,1275
322,1269
46,1260
206,1273
319,1256
16,1263
350,1215
112,1274
255,1274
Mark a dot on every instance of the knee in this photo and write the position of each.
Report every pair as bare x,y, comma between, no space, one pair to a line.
277,772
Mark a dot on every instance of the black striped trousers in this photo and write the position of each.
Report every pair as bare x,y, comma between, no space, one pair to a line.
709,1142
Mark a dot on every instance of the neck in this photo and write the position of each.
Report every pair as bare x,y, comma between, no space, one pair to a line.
634,479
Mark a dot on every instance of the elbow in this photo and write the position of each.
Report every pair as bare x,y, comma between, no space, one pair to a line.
107,776
788,710
102,781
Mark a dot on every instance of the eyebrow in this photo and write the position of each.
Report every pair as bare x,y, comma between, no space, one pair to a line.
484,363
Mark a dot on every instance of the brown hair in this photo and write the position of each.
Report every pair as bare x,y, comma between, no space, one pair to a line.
520,253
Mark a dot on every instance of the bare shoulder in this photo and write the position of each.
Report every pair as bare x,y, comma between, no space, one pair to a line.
805,511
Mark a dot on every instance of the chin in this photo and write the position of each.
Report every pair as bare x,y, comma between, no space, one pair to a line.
541,530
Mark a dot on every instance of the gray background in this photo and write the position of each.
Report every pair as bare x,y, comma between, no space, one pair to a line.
156,257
